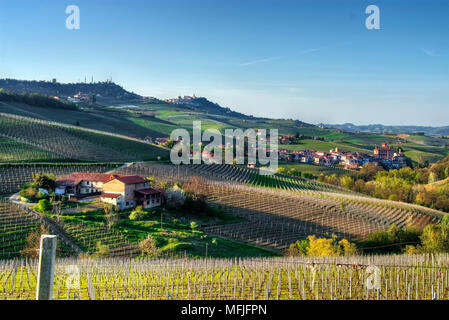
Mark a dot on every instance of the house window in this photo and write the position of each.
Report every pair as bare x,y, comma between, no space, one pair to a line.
148,201
127,203
152,201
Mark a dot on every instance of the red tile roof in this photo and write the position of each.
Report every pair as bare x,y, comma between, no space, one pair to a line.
76,178
127,179
67,181
100,177
149,191
110,195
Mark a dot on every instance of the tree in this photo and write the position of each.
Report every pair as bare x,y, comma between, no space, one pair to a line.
435,238
323,247
112,219
44,180
33,242
432,178
348,248
148,246
342,206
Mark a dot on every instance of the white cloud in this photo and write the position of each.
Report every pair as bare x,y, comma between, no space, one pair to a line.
430,53
258,61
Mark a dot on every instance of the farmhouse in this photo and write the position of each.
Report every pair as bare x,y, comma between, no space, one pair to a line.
131,191
124,191
82,184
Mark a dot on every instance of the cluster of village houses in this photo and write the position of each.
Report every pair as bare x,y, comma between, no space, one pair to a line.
182,100
123,191
384,155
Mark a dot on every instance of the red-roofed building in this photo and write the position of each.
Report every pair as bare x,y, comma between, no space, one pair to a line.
124,191
385,152
80,184
133,191
149,198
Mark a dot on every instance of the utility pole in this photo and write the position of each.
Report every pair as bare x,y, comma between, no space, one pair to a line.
47,254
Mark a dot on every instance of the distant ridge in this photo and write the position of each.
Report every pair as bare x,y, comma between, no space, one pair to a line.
379,128
204,105
108,89
52,88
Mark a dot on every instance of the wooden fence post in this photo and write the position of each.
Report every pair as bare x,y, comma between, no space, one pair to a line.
47,254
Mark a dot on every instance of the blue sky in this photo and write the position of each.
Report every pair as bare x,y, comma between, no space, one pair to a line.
308,60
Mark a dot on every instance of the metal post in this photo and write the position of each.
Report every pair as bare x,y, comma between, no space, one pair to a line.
47,256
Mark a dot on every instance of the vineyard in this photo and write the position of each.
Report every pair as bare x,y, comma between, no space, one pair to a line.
14,176
88,235
16,223
252,177
14,151
76,143
341,278
276,218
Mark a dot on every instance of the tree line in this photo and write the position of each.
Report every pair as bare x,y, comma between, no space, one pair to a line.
424,186
36,99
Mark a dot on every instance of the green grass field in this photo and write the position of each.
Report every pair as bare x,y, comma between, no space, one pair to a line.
174,235
312,169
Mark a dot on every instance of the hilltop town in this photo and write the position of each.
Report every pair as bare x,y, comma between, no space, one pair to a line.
384,155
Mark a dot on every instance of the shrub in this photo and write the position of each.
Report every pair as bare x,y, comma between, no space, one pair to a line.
393,240
299,248
193,225
102,250
137,214
29,193
175,198
112,219
43,206
195,204
282,170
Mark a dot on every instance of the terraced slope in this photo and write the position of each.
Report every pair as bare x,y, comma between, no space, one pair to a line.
16,223
88,235
15,151
252,177
75,143
274,218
